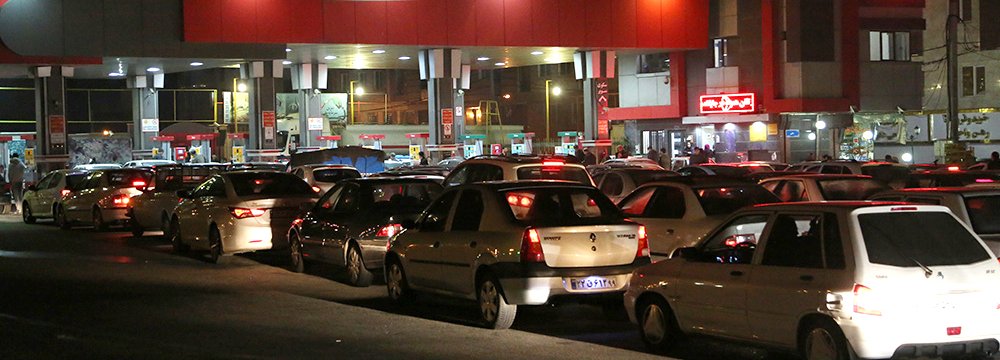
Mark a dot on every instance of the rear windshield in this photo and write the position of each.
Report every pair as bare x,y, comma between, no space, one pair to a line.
335,175
561,207
126,178
850,189
268,183
725,200
72,180
642,177
731,171
404,197
929,238
758,168
569,173
984,211
176,178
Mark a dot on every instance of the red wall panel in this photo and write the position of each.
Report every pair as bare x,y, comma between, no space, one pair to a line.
650,29
489,22
239,21
338,22
598,27
572,19
432,29
695,32
624,24
461,22
402,25
672,21
202,20
545,29
371,22
517,21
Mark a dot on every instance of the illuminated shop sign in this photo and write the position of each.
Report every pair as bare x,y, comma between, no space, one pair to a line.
728,103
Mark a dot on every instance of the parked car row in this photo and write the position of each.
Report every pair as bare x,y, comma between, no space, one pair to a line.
796,261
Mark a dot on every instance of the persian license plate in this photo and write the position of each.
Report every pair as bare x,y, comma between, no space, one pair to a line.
591,283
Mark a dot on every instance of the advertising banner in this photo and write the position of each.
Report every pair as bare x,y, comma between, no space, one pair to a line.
415,152
447,122
316,124
268,123
57,129
150,125
238,154
727,103
603,126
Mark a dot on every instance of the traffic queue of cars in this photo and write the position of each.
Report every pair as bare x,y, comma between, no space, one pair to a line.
795,260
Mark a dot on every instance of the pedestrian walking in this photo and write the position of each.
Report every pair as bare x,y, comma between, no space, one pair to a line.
15,175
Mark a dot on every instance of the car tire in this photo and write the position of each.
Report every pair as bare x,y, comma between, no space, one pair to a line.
298,262
165,224
61,220
494,311
134,225
658,325
357,274
396,284
215,250
176,241
98,219
26,214
825,340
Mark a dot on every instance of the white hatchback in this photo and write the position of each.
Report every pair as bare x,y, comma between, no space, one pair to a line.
833,280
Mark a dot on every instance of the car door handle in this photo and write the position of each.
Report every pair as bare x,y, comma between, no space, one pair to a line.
806,278
736,273
472,244
436,244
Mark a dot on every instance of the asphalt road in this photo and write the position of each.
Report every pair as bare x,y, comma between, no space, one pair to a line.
84,294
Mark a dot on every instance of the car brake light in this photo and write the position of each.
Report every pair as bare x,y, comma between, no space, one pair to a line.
954,168
519,200
952,331
120,201
389,231
864,301
316,189
904,208
65,192
984,181
243,213
531,247
138,184
643,250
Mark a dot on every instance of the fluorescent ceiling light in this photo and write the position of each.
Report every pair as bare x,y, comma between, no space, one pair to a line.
197,63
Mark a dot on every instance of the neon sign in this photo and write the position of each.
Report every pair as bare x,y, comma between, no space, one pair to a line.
728,103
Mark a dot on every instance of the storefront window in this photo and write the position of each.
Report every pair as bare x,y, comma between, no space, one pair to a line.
654,63
720,48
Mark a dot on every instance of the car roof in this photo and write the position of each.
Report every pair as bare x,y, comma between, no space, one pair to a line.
510,184
701,181
397,179
820,176
520,159
946,190
812,205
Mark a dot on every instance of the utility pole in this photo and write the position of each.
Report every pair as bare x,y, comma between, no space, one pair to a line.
951,40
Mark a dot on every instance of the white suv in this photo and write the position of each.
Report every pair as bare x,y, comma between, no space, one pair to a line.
833,280
507,244
500,168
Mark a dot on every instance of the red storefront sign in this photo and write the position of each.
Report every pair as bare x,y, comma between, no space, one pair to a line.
447,122
57,129
728,103
267,120
603,128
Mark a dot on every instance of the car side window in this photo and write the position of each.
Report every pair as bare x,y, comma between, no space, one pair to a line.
668,203
349,200
612,185
635,204
794,241
833,247
92,181
202,190
791,191
831,169
217,188
436,215
458,176
771,185
300,173
735,243
325,203
45,182
469,218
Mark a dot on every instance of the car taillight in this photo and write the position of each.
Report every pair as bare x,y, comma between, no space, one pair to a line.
138,184
865,301
531,247
389,231
643,250
243,213
316,189
954,168
553,163
65,192
120,201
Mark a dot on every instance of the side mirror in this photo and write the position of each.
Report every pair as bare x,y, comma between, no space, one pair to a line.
686,253
408,224
183,194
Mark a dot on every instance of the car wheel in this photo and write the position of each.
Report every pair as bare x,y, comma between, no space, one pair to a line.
357,274
134,225
395,282
298,263
61,220
99,224
215,251
494,310
825,341
658,326
26,214
175,238
165,224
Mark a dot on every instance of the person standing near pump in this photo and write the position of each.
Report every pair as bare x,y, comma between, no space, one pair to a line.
15,175
423,159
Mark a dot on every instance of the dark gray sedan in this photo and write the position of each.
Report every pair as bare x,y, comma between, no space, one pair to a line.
351,223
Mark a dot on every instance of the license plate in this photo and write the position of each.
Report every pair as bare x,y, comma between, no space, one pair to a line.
591,283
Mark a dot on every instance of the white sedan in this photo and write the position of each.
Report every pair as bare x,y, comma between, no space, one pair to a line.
238,212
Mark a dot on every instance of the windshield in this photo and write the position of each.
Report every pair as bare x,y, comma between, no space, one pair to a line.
268,183
176,178
984,212
126,178
850,189
725,200
929,238
335,175
731,171
73,179
558,172
642,177
404,197
561,207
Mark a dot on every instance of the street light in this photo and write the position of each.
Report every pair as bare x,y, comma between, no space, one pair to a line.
553,90
820,125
